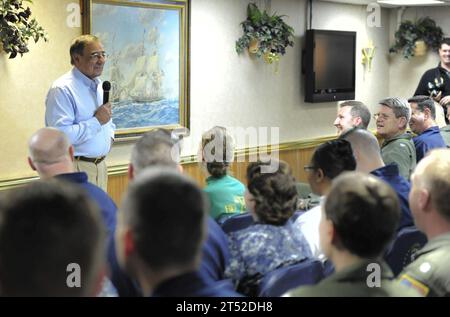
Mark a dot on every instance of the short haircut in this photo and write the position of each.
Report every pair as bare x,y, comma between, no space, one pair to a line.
424,102
362,141
358,109
79,43
275,194
44,227
221,146
436,178
445,40
155,147
166,212
334,157
399,106
365,212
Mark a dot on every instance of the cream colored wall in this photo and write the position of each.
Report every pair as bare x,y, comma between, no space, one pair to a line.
405,74
24,82
226,88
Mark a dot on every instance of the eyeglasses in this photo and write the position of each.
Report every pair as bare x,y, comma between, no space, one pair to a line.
382,115
97,55
309,168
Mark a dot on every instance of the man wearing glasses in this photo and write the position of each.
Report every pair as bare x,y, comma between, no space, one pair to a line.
74,105
397,147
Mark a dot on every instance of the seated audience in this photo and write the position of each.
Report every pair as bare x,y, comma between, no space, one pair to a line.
271,242
392,120
423,114
51,241
226,193
368,160
429,200
351,114
328,161
51,155
445,131
157,147
161,246
359,218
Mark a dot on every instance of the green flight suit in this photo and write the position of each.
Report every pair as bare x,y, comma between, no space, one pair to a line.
445,132
353,282
400,150
429,273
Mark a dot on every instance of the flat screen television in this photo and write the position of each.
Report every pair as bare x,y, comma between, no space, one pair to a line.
329,65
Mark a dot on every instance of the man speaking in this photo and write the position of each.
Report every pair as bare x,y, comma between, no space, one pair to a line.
75,105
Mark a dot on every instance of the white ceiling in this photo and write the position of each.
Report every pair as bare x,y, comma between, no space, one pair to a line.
366,2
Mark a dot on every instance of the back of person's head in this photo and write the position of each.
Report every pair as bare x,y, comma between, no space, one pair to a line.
333,158
79,43
364,211
424,102
156,147
274,193
48,146
166,213
358,109
217,151
399,106
44,228
433,174
364,143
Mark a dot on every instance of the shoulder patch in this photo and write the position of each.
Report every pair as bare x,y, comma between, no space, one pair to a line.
410,282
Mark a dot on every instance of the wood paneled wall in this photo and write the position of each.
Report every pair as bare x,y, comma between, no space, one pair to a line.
295,157
296,154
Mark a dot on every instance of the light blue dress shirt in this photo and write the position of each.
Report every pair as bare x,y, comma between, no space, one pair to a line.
70,106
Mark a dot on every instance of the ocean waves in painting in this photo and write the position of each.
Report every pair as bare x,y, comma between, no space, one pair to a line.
144,114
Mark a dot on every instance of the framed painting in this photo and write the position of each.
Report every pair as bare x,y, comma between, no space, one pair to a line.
147,44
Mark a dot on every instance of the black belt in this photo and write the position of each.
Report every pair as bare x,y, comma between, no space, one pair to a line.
95,160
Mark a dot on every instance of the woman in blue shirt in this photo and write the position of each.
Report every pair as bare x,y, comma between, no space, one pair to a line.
270,243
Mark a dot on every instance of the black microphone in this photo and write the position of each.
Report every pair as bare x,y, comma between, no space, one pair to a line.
106,88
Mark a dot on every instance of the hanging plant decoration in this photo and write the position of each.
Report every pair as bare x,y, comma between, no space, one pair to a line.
265,35
16,28
412,39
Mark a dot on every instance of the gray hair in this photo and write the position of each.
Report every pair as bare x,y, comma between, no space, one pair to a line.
399,106
79,43
156,147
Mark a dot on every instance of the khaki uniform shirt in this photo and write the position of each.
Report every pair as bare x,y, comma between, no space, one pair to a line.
401,151
354,281
445,132
430,272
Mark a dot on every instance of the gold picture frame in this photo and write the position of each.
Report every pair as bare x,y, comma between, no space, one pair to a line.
147,43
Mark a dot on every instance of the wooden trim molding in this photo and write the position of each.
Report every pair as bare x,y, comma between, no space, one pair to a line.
189,161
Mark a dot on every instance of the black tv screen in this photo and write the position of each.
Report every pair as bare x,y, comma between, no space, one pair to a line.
329,65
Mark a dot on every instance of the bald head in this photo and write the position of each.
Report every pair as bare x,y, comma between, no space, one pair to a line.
433,175
50,149
365,148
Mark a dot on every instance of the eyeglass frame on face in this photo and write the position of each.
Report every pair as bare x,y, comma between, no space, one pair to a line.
382,115
97,55
308,168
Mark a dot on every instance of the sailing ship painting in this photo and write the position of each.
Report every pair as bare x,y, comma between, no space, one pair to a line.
143,65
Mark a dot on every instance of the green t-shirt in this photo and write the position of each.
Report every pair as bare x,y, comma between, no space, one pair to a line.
226,196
